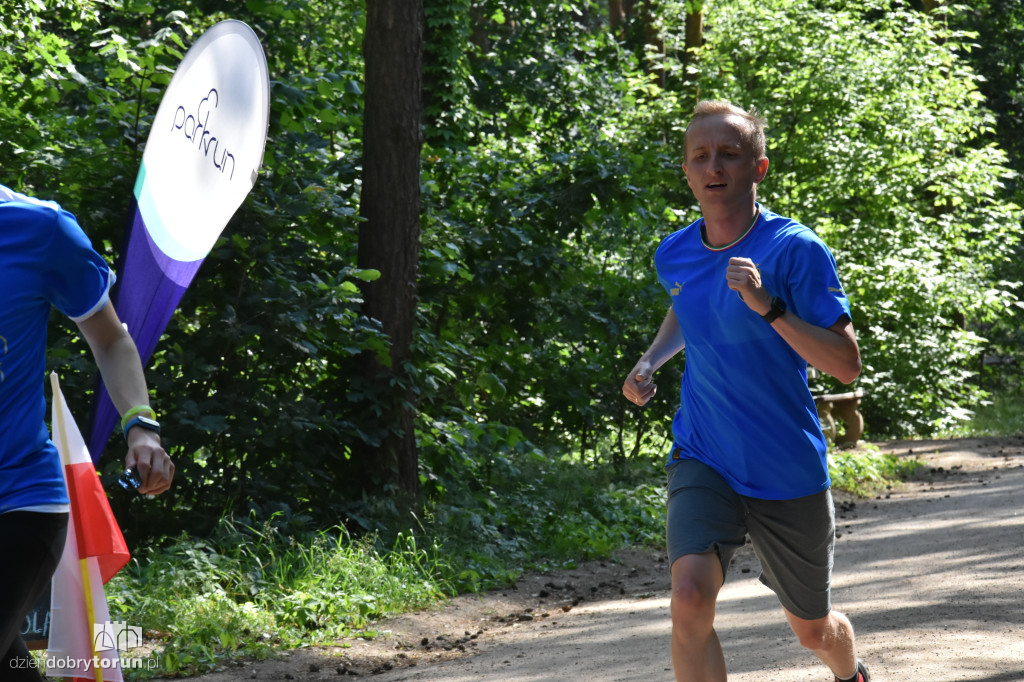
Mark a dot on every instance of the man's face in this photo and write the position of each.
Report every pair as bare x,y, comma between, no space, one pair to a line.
720,166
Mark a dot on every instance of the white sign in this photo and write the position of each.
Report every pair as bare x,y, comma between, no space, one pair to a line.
206,144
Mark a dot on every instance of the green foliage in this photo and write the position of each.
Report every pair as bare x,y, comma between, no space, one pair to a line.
539,513
549,178
866,470
548,231
254,586
996,29
530,310
1003,415
35,69
446,74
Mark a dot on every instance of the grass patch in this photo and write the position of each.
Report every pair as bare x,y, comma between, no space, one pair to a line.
865,470
252,589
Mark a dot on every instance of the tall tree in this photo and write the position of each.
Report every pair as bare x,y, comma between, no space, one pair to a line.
655,41
694,31
389,239
616,13
694,24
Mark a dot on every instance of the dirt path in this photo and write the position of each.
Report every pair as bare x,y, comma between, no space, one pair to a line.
931,573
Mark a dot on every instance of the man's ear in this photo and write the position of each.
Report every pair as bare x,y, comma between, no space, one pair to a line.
762,170
686,175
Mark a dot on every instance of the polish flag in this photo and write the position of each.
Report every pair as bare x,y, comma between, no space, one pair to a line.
80,646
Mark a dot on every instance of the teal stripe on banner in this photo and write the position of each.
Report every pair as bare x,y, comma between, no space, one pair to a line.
155,226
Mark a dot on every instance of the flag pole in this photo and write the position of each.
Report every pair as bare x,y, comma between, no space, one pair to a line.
90,610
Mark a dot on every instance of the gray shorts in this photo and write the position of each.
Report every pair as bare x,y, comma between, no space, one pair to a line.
794,539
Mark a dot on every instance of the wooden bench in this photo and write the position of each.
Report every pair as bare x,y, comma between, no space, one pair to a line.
845,406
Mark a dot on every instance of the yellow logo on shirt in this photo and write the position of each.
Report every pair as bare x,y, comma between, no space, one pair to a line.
676,289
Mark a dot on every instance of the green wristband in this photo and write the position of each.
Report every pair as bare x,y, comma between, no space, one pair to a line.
138,409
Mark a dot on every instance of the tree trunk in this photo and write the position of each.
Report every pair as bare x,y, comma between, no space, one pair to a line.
695,28
479,36
655,42
694,38
389,239
616,13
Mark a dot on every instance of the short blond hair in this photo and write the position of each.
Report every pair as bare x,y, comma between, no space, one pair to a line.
755,123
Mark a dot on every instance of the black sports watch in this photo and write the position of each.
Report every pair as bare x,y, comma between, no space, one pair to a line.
778,307
142,422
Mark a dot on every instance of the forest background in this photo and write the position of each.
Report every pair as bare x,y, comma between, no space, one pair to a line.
414,332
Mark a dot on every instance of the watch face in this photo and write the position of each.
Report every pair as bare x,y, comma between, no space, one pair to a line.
142,422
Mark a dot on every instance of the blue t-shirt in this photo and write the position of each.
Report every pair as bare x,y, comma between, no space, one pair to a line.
45,259
745,407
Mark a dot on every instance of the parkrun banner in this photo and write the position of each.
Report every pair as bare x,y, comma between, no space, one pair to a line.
201,160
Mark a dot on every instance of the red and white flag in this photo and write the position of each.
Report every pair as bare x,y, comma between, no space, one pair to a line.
80,644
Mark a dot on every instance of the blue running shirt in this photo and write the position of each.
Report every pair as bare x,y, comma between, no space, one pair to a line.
45,260
745,409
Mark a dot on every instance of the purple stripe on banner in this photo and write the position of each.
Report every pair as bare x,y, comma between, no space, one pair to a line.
155,285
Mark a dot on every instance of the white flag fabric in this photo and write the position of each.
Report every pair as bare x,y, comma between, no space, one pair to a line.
79,617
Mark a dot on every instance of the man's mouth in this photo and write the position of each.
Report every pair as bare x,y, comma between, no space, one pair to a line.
716,185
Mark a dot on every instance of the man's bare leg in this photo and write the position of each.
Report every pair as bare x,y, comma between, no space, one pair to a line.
831,639
696,652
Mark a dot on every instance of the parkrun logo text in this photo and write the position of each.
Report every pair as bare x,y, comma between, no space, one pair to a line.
196,127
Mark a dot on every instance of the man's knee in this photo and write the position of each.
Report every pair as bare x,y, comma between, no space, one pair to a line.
690,595
693,610
695,585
